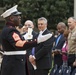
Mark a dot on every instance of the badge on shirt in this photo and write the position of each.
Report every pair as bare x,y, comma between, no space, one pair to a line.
16,37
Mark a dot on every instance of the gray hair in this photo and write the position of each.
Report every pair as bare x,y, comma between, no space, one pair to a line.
43,18
72,18
62,24
29,21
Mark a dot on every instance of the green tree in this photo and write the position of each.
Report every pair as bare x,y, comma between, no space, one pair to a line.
54,10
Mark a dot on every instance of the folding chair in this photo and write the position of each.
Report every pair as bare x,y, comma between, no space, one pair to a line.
54,69
74,72
67,71
59,71
63,71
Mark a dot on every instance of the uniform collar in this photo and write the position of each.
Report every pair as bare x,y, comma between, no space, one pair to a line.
73,30
10,24
41,32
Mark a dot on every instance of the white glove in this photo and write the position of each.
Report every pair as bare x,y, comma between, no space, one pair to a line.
42,38
30,30
28,35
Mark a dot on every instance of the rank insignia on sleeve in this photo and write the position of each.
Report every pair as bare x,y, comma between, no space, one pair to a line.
16,37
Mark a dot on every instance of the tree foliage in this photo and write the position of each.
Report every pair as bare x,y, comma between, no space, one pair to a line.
54,10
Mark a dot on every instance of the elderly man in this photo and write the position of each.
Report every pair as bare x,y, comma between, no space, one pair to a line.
72,43
27,24
13,44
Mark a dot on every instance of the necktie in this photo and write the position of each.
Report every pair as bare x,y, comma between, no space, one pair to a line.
33,51
58,40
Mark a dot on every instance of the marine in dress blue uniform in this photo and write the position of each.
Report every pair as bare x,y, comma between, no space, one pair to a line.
13,44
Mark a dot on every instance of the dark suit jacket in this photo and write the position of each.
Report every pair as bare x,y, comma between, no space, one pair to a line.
58,57
35,34
43,53
60,43
29,51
